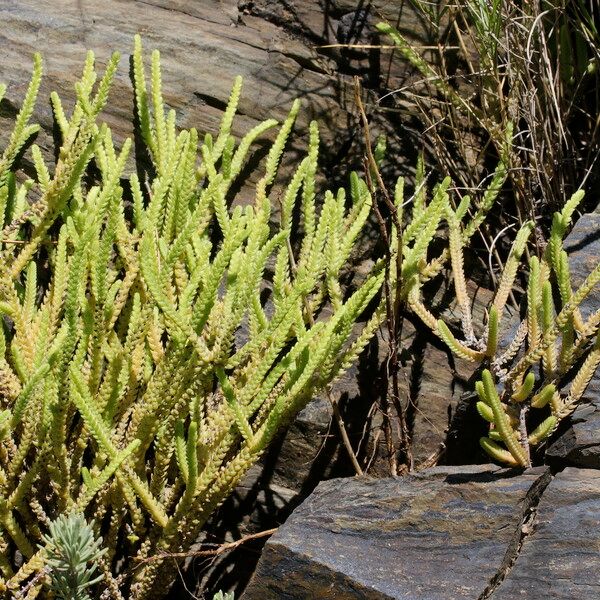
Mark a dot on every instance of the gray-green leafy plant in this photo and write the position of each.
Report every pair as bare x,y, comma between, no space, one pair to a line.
155,338
71,555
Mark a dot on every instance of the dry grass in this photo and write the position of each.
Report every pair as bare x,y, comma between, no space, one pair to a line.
496,63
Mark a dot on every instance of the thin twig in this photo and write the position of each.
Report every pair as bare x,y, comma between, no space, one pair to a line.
21,242
377,47
225,547
393,302
36,580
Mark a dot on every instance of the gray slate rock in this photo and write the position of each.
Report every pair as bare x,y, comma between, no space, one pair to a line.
204,45
583,247
442,534
560,558
580,444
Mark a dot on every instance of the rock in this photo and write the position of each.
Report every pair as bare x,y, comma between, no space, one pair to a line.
583,247
275,46
444,533
559,558
580,444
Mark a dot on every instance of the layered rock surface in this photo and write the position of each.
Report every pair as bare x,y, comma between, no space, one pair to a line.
559,558
276,47
448,533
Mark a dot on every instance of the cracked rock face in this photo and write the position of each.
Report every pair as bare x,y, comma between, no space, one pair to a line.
204,44
446,533
560,558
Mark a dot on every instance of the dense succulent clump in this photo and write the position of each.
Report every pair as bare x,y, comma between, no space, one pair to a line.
125,394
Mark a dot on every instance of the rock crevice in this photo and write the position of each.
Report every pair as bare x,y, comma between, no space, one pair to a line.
524,530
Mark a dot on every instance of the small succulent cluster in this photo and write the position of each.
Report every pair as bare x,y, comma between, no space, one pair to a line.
552,345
